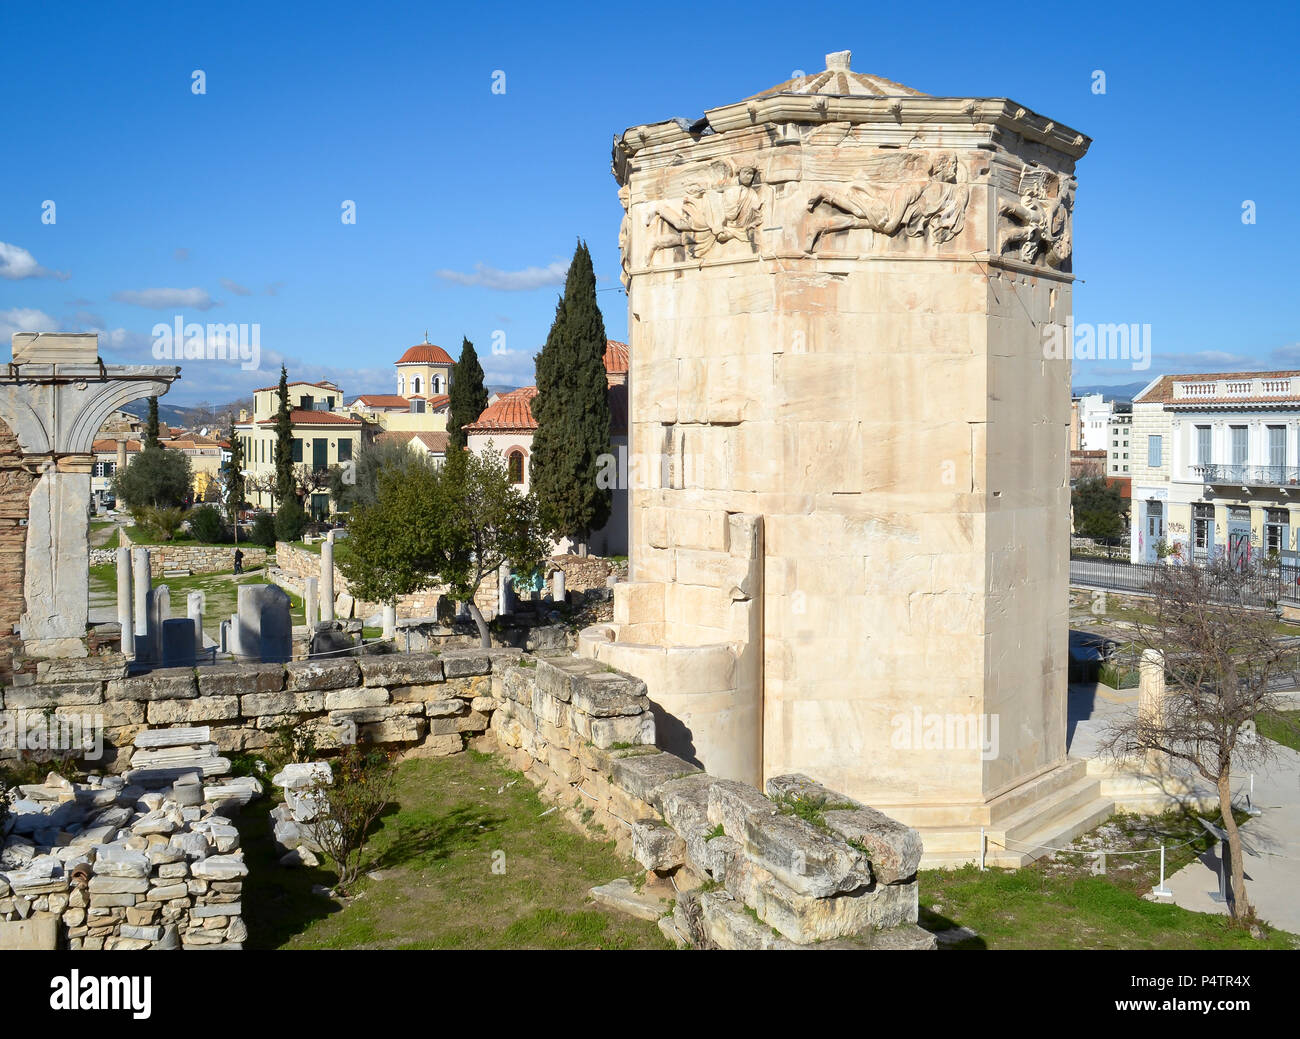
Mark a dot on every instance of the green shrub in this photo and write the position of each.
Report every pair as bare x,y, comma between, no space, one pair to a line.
263,530
156,476
207,526
351,802
162,523
290,520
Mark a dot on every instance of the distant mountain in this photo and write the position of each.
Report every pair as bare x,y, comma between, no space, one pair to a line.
1121,392
500,388
193,416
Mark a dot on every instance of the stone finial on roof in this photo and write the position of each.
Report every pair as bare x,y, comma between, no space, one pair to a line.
838,61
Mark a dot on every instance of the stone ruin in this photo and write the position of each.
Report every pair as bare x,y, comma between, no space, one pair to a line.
837,296
54,397
126,862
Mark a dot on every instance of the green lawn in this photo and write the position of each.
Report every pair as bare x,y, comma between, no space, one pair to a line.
435,849
220,589
1282,727
1059,903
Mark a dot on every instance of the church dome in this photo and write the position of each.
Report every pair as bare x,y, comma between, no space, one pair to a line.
425,353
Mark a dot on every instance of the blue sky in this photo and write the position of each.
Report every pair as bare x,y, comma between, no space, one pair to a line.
469,202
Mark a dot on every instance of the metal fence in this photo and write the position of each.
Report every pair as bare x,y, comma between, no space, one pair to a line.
1263,588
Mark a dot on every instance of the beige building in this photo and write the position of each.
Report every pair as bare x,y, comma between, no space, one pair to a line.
322,438
422,399
859,522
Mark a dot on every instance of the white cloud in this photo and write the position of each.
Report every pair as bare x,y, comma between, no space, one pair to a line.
167,299
23,319
509,281
235,287
17,263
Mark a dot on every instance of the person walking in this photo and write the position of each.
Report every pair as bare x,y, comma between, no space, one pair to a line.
239,561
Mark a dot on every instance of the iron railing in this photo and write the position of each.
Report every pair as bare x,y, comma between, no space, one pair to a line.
1262,588
1249,475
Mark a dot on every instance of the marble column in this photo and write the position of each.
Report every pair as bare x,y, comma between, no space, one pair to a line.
327,580
124,602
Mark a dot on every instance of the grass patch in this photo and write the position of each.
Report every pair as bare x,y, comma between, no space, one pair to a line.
810,809
436,847
220,589
1028,909
1059,903
1281,727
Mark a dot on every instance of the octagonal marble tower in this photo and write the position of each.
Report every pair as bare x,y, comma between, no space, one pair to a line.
849,541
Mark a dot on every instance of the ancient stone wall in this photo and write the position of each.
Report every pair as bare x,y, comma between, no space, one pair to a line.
750,872
15,491
432,701
198,559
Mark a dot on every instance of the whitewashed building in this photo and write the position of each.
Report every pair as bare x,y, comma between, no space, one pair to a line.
1228,478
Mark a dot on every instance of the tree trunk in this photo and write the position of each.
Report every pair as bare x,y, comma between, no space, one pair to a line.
485,638
1240,906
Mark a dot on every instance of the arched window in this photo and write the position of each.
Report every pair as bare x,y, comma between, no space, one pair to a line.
415,385
437,385
515,466
401,385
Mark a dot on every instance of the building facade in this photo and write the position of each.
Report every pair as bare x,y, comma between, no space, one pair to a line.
322,438
1229,452
1118,436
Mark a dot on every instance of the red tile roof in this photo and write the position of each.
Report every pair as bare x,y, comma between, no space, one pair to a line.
382,400
314,418
300,382
510,413
513,413
425,353
107,445
616,356
435,441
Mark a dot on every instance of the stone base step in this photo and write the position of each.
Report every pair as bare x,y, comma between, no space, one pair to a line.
1004,854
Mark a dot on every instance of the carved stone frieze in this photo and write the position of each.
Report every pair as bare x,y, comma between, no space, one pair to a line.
908,195
1037,225
722,205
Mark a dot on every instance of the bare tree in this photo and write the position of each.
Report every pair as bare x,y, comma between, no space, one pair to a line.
1221,660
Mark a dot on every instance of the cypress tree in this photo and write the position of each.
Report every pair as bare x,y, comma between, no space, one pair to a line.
284,489
468,396
572,411
235,477
151,425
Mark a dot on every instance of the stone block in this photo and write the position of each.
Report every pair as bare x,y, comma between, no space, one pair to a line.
656,845
324,674
406,729
175,684
186,712
355,697
389,669
253,705
422,693
806,919
41,697
642,774
103,668
638,730
895,849
37,934
241,679
462,663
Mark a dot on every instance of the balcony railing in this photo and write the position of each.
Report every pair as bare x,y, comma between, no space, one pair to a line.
1249,475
